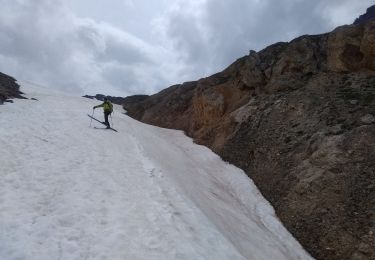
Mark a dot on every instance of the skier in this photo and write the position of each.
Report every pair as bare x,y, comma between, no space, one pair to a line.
108,108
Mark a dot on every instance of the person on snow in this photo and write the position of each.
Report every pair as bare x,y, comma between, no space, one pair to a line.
108,108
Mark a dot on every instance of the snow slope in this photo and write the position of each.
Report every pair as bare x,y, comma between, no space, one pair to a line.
69,191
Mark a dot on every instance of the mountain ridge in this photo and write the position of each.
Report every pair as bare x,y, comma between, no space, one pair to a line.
370,14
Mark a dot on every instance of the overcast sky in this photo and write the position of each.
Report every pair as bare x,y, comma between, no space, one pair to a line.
125,47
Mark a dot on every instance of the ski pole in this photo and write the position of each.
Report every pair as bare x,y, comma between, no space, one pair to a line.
93,110
111,119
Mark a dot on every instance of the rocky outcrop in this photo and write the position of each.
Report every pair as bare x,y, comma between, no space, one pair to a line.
351,48
370,14
8,88
170,108
299,119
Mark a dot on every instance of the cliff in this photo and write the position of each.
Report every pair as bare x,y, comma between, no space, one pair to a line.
299,119
8,88
370,14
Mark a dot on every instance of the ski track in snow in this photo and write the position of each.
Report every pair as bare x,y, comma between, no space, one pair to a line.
69,191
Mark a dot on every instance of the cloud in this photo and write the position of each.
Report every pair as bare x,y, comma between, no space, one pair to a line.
211,34
49,45
154,45
129,3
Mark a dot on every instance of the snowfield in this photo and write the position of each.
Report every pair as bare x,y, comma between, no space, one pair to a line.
69,191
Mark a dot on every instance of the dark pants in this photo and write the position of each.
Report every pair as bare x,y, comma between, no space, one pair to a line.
106,114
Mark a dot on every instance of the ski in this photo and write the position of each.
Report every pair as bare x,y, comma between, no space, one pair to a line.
101,123
104,128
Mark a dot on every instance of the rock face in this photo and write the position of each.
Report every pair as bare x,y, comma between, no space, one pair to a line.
172,106
8,88
370,14
299,119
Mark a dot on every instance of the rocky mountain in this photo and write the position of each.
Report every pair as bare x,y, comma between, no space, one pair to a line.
299,118
370,14
8,88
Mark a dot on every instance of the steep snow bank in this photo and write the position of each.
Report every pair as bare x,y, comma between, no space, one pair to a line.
69,191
